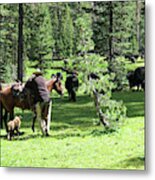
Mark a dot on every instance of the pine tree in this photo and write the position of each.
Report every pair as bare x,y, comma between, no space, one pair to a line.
53,9
62,29
8,41
39,39
116,27
101,26
87,63
68,32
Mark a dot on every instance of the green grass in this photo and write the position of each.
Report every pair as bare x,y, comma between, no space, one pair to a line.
132,66
75,142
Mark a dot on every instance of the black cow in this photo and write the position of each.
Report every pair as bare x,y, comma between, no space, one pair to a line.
93,76
72,84
131,57
137,78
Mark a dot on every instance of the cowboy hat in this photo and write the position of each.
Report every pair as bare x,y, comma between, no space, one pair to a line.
37,72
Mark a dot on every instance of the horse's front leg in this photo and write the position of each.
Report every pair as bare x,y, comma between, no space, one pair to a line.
5,117
34,120
49,117
1,116
12,115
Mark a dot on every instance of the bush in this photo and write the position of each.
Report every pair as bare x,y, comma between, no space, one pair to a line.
110,112
118,67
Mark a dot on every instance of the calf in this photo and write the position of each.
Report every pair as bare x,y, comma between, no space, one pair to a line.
93,76
12,126
72,84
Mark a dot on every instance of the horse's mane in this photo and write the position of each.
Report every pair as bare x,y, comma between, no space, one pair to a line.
51,80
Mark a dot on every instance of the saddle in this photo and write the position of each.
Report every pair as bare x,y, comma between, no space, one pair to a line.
23,95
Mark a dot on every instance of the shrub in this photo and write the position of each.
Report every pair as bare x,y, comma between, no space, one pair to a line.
118,67
110,111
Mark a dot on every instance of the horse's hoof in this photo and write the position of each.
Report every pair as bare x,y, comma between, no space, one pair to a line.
107,125
47,135
33,129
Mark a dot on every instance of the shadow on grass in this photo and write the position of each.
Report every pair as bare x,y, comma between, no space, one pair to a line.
3,136
60,127
97,132
82,134
74,113
133,100
135,162
80,114
68,135
29,136
82,99
15,135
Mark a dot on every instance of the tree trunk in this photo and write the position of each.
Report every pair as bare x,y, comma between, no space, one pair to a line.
20,43
102,117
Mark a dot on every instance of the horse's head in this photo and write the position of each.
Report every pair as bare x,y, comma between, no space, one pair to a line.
17,89
55,83
57,86
10,96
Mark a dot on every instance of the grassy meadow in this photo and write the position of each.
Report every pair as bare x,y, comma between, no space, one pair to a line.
76,142
64,36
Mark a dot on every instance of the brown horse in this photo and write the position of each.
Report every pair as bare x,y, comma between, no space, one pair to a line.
8,101
55,83
10,97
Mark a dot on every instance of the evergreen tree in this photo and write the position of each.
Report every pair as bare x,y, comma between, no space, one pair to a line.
62,29
53,9
8,41
101,89
68,32
39,40
101,26
84,40
116,27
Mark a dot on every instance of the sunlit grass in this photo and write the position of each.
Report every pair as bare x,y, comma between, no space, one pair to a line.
75,142
132,66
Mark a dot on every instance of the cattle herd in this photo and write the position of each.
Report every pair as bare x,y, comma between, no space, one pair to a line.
34,95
